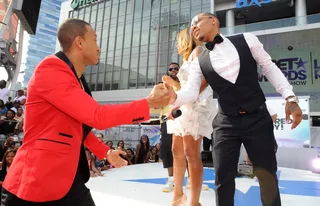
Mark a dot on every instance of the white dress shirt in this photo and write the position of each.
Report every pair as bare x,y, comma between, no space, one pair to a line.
4,95
225,61
270,108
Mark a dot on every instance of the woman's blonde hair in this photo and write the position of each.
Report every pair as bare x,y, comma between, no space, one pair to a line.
187,43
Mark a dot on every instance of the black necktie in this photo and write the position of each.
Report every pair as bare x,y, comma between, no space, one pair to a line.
217,40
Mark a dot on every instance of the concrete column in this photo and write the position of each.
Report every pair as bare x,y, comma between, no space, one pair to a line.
18,59
230,22
6,19
301,12
212,6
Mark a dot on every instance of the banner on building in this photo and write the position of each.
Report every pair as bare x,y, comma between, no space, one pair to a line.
297,55
131,134
153,132
125,133
285,136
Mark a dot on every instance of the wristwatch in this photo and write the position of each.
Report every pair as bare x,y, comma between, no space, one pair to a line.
294,99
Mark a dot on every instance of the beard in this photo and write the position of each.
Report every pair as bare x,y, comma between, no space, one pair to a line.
175,78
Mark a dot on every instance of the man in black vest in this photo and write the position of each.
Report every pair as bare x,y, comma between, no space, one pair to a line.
230,68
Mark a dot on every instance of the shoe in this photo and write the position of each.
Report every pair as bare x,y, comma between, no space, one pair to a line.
181,201
188,185
169,186
204,186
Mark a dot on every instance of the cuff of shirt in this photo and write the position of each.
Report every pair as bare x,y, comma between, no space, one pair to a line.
177,103
287,94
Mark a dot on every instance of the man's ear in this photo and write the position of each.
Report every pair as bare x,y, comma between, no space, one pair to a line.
214,20
78,41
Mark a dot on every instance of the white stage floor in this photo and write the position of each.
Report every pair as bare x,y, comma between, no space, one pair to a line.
140,185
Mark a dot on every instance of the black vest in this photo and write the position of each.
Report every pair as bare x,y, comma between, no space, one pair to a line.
246,94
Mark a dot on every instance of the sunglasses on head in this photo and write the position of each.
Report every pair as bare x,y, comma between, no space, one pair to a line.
176,69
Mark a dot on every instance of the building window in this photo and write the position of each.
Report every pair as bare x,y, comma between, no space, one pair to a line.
92,87
107,87
137,39
115,86
99,87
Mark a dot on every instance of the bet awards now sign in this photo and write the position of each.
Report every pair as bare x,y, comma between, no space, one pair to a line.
79,3
246,3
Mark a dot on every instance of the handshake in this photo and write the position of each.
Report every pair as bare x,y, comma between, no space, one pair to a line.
160,96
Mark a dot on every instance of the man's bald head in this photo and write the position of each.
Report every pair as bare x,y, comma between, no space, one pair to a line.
213,16
195,19
205,26
208,14
69,30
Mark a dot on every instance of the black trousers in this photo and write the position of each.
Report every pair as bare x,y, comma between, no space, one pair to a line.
255,131
166,146
78,195
206,143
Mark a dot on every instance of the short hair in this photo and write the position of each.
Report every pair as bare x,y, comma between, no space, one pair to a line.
10,110
100,134
130,150
119,142
4,82
174,63
69,30
209,14
212,15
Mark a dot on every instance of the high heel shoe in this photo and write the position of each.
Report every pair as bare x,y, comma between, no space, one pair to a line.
181,201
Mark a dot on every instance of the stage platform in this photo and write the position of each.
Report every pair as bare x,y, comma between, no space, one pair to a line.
140,185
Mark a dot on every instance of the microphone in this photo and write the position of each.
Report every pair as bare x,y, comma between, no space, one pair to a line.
175,114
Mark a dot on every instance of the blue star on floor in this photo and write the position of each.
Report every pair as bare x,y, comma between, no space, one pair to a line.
252,196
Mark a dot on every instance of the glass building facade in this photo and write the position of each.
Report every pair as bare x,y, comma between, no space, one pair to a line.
137,39
44,42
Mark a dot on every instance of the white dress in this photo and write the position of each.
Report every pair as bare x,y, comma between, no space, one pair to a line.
196,119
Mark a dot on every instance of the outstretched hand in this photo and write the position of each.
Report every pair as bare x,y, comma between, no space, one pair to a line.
294,110
169,83
171,93
158,97
115,159
168,80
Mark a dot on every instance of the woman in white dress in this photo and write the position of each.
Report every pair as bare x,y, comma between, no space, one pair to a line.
188,129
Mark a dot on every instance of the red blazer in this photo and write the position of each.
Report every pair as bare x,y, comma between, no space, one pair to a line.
45,165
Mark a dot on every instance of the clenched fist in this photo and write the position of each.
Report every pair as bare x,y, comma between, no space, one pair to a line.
115,159
158,97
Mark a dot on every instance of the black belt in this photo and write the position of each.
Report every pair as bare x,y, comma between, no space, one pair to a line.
263,106
243,112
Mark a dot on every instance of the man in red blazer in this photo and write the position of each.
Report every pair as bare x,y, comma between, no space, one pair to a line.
50,167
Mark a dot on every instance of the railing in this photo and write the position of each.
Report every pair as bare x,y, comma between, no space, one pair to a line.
274,24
